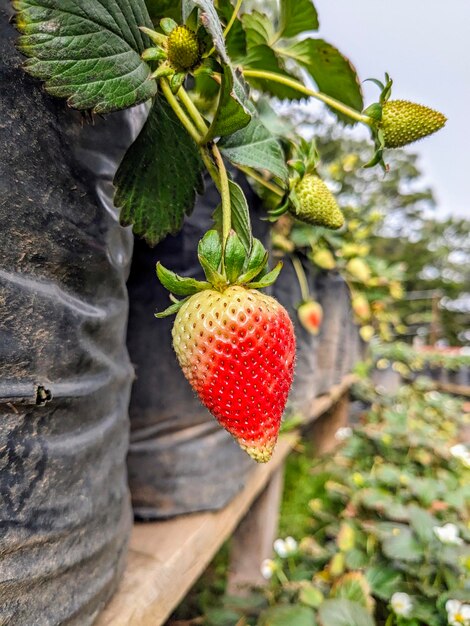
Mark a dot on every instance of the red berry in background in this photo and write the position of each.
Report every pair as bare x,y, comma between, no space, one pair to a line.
311,316
237,349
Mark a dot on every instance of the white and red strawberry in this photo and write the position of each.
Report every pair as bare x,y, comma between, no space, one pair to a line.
236,348
235,345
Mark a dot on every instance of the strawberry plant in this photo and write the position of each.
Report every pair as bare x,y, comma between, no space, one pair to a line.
202,66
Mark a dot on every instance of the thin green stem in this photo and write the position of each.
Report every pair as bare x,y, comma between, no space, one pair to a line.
227,29
294,84
262,181
181,115
193,111
202,127
224,193
299,270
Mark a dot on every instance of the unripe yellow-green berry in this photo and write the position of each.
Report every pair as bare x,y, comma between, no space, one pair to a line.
316,204
183,49
404,122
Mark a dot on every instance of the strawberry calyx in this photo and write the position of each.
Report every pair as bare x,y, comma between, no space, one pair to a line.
223,267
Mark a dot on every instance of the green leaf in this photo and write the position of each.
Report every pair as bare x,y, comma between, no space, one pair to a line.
230,115
179,285
354,587
310,596
333,73
235,257
403,546
422,523
258,28
241,223
262,57
235,41
287,614
211,22
268,279
254,146
297,16
383,581
210,247
88,52
158,177
344,613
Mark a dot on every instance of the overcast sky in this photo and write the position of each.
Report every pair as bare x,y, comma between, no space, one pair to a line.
425,47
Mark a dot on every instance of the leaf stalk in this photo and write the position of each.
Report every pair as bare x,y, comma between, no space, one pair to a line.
294,84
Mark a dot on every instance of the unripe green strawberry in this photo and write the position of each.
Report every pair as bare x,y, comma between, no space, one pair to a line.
237,350
183,49
404,122
315,204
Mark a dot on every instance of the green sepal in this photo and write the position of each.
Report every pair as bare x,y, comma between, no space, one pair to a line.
387,90
275,213
210,247
255,264
374,111
162,71
214,277
176,82
153,54
172,309
179,285
234,258
168,25
157,38
267,280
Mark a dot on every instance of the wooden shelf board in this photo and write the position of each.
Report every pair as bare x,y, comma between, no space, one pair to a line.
167,557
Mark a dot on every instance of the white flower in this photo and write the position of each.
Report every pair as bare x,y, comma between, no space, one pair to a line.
449,534
401,604
291,545
285,547
343,433
460,452
268,567
458,614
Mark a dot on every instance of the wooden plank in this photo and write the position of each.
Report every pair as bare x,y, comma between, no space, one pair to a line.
166,558
456,390
252,542
322,431
322,404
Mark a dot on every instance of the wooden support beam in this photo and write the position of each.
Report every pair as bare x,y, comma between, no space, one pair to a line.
253,540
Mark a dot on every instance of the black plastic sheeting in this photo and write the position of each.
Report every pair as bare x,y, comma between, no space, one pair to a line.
287,290
65,374
180,459
332,355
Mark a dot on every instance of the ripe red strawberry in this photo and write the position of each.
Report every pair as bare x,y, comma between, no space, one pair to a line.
235,345
237,350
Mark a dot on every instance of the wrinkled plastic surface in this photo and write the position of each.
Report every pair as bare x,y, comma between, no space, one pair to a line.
65,373
180,459
304,389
